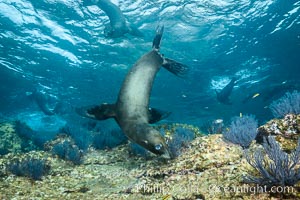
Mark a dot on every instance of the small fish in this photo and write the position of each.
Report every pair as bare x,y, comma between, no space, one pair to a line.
241,115
255,95
166,197
218,121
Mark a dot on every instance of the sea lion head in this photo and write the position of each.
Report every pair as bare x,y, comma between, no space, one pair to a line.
155,142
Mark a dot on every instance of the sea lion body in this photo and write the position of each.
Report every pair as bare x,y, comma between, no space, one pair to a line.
133,103
133,99
131,111
118,25
46,102
223,95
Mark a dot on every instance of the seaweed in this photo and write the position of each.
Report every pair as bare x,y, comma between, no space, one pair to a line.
288,104
180,139
68,151
275,167
30,136
136,149
213,127
108,139
3,151
242,130
81,136
33,168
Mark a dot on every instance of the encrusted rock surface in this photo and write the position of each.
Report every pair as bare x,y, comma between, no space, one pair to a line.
10,141
286,131
209,169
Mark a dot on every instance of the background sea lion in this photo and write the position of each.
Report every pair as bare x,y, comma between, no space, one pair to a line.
223,95
46,102
131,111
118,23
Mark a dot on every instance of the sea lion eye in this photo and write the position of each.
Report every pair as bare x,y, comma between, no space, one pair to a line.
158,147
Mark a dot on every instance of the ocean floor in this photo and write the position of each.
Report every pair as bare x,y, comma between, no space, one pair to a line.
210,168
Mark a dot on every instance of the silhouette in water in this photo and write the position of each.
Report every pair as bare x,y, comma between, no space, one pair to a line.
272,92
48,103
118,23
223,95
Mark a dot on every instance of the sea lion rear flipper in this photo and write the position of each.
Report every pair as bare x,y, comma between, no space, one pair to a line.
102,112
157,38
175,67
156,115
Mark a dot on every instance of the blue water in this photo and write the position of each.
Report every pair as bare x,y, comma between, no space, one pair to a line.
59,47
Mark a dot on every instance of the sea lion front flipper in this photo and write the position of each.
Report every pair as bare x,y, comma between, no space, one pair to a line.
175,67
156,115
102,112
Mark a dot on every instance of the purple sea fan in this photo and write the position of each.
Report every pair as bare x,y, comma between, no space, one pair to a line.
275,167
288,104
242,130
180,139
33,168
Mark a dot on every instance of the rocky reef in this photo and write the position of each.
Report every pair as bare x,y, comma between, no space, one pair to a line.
208,168
11,141
286,131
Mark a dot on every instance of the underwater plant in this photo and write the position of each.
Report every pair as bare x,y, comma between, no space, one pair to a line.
276,167
180,139
288,104
34,168
108,139
80,135
27,134
136,149
213,127
23,130
68,151
3,151
242,130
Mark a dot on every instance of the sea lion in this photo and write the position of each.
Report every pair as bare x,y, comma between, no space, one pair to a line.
272,92
46,102
131,111
118,23
223,95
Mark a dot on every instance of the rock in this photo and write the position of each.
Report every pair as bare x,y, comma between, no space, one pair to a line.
11,142
209,168
286,131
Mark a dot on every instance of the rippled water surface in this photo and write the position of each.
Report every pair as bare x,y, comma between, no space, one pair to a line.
59,46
